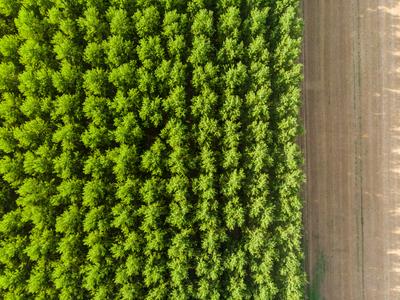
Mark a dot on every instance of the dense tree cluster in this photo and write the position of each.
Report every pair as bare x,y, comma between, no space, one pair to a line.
148,149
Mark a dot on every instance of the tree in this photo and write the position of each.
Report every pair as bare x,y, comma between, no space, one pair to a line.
148,149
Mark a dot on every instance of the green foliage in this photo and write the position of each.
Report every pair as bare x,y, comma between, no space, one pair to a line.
9,46
148,149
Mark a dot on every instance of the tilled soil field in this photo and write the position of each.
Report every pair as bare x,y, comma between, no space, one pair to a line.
352,148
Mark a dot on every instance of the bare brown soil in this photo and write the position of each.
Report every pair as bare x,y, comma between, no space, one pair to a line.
352,147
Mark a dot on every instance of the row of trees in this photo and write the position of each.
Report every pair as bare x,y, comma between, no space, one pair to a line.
148,149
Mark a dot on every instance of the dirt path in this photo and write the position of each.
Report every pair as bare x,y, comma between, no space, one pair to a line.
352,145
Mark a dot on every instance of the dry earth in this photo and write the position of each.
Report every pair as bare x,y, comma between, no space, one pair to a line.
352,147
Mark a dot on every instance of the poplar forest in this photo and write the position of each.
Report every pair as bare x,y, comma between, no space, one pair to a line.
148,149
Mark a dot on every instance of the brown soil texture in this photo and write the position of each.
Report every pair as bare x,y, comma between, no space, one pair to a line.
352,148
